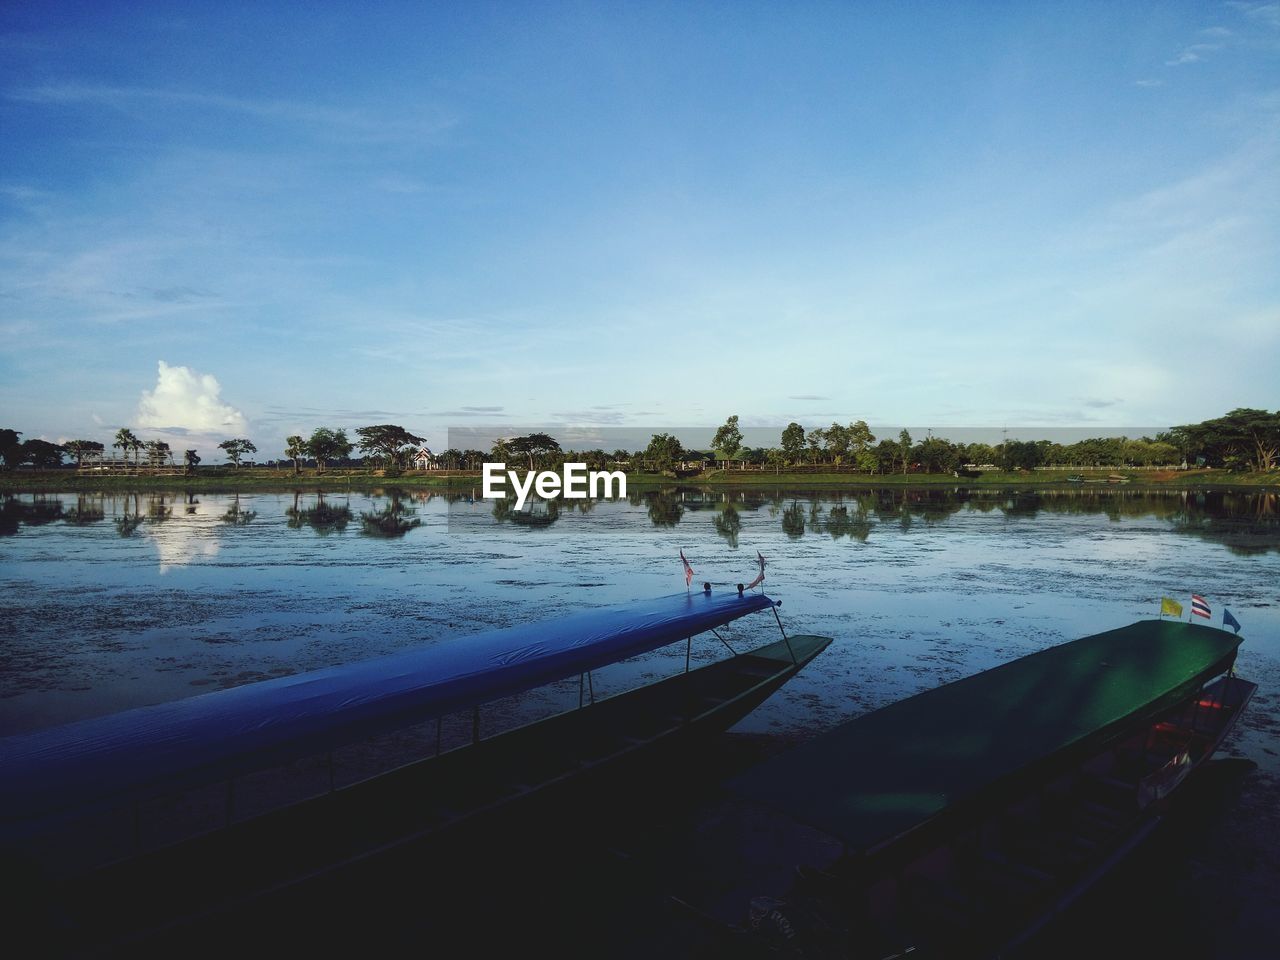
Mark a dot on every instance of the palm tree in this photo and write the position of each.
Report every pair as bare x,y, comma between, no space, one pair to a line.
126,441
295,447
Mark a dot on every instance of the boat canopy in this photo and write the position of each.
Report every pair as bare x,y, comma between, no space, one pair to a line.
228,732
883,774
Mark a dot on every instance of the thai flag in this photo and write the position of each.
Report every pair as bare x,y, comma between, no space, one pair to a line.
688,570
1198,607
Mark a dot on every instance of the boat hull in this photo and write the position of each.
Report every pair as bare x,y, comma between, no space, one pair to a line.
526,780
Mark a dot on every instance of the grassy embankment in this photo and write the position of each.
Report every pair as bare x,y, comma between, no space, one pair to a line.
227,480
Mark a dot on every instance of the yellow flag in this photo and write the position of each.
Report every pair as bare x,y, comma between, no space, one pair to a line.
1170,606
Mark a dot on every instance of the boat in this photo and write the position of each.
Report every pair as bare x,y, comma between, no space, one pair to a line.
116,763
966,818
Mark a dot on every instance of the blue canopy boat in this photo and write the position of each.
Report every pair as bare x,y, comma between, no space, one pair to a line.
52,776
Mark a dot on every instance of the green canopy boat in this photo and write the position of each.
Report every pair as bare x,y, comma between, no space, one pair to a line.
973,813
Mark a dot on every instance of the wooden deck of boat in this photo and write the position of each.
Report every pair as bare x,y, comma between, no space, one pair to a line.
886,773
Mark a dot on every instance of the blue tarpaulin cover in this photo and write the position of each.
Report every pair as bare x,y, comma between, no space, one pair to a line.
227,732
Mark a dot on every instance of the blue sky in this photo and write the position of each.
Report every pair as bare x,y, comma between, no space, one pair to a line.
252,220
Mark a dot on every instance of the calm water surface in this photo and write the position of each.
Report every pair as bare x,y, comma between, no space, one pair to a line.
115,601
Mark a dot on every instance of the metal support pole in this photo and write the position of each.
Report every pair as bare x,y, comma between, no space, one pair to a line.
688,652
591,687
784,636
582,677
724,641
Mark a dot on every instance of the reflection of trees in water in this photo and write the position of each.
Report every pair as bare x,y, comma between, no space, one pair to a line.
89,509
537,513
1244,522
237,517
393,520
15,513
793,521
158,509
323,518
130,516
843,522
728,524
665,508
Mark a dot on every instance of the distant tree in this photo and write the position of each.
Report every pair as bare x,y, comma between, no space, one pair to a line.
295,448
980,453
663,450
621,456
533,445
325,445
41,454
815,441
937,455
837,443
1021,455
886,455
78,448
386,440
10,447
1246,434
904,449
473,458
728,439
500,451
157,452
236,449
192,460
793,441
860,439
125,441
777,458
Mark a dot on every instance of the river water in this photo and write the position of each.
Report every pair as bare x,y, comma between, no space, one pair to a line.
117,601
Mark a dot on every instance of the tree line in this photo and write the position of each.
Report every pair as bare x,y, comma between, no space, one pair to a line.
1243,439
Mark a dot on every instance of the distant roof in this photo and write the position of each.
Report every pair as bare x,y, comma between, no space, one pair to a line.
880,775
208,737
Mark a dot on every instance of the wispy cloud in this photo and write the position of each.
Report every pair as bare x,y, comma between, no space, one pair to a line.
807,396
349,122
1193,53
1267,14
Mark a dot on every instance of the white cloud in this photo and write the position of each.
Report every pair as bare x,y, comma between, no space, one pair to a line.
186,401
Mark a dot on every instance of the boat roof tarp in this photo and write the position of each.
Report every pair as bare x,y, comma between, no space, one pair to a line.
883,774
208,737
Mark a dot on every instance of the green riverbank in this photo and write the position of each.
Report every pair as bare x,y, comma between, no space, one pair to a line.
226,480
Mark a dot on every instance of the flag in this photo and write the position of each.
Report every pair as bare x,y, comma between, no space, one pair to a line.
759,579
1198,607
1229,621
688,570
1170,606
